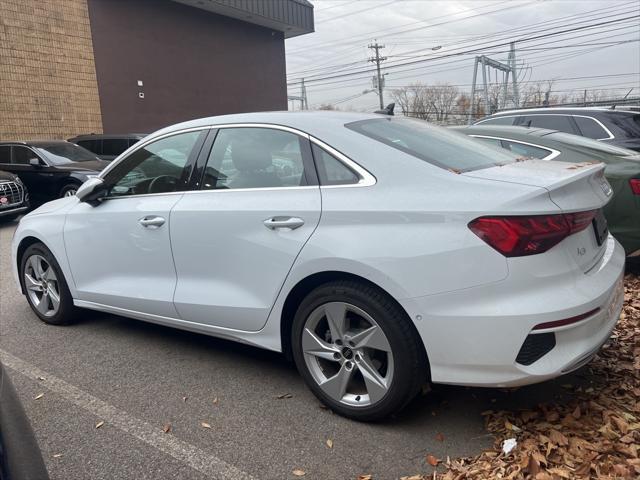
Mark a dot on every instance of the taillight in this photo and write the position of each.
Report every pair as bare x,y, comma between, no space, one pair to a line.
635,185
517,236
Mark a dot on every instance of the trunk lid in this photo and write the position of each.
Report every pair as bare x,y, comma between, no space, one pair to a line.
573,187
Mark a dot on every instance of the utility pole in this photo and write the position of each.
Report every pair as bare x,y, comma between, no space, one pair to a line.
303,95
379,84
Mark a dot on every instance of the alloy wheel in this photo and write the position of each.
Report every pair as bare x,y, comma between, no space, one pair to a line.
70,192
42,285
347,354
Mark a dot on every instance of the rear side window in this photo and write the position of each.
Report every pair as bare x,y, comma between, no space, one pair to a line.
562,123
114,146
91,145
590,128
526,150
435,145
497,121
331,170
133,141
5,154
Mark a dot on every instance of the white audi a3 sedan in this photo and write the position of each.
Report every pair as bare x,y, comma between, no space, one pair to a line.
380,253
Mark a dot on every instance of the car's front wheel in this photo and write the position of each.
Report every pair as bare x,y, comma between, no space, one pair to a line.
45,286
357,350
68,190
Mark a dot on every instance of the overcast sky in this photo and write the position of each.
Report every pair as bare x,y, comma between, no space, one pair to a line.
428,29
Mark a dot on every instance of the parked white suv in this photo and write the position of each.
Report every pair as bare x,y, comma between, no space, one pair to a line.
379,252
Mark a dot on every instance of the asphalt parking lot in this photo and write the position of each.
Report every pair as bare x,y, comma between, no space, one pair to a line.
138,378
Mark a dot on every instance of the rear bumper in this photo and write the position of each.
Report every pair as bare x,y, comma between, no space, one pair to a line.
473,336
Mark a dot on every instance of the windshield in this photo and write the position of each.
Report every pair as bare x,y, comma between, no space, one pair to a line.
589,143
436,145
61,153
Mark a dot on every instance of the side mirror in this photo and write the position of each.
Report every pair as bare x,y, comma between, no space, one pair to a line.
35,162
92,190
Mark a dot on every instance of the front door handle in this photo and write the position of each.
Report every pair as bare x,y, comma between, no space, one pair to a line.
290,223
152,221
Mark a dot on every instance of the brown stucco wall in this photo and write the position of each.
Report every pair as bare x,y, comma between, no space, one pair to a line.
192,63
48,85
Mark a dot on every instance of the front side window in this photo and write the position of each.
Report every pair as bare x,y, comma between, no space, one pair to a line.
22,155
159,167
331,170
250,157
435,145
590,128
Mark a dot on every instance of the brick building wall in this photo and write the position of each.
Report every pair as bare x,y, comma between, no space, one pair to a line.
48,86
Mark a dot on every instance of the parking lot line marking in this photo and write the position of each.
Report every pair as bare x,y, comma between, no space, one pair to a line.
186,453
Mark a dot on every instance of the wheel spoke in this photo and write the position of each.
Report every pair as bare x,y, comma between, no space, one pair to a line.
36,265
336,314
372,337
50,275
313,345
43,304
55,299
376,384
32,284
336,386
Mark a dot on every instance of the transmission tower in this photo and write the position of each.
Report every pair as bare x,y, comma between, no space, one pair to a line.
509,69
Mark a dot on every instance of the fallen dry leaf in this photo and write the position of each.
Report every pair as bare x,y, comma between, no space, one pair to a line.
166,428
99,424
433,461
205,425
365,477
440,437
56,455
215,401
184,399
39,396
299,473
329,443
284,395
41,378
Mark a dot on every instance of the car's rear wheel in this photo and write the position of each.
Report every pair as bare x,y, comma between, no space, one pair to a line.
357,350
45,286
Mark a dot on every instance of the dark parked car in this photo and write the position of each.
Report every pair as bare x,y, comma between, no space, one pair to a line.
612,125
14,198
622,169
49,169
107,147
20,457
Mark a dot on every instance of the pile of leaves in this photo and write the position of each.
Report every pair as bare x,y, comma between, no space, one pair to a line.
594,435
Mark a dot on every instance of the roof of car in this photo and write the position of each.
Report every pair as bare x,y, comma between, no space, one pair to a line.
619,109
34,143
308,121
90,136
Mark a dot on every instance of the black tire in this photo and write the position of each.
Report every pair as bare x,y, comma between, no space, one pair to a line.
69,187
411,368
67,313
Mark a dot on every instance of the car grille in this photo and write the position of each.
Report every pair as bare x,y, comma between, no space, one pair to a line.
13,192
535,346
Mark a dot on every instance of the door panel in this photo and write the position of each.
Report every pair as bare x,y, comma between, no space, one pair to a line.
230,264
117,261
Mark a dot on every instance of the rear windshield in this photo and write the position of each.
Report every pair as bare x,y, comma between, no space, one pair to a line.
436,145
61,153
628,125
589,143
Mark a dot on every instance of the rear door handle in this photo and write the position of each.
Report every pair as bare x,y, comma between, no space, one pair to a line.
291,223
152,221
